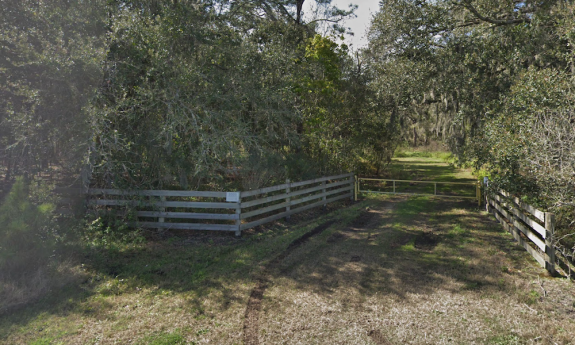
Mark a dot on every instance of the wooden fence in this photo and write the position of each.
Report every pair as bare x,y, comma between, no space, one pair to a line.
533,229
390,186
225,211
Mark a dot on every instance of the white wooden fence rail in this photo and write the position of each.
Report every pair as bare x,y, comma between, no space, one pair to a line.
225,211
533,229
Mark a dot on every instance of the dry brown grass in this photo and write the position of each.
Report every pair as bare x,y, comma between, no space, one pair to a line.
471,287
33,283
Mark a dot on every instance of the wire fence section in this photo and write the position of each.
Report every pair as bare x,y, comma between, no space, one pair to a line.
466,190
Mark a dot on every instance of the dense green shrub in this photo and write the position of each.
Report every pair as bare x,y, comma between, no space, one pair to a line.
24,230
26,244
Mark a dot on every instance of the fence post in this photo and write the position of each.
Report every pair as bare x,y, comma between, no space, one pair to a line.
239,213
288,199
323,198
393,186
485,186
549,248
352,184
435,188
355,188
162,209
478,194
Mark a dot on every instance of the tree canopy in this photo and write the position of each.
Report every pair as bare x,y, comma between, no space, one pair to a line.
493,79
154,94
220,93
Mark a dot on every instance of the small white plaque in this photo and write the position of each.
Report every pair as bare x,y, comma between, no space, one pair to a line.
232,196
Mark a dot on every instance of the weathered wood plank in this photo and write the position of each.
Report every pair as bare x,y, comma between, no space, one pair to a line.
264,190
321,195
530,235
501,210
277,197
566,264
265,200
533,224
532,210
321,202
188,226
167,193
183,204
265,220
549,247
187,215
293,185
308,198
293,211
320,187
520,240
321,179
259,211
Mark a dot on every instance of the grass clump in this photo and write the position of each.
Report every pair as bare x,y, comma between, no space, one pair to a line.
174,338
444,156
510,339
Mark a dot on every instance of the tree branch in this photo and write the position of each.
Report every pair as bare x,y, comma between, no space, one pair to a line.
469,6
325,20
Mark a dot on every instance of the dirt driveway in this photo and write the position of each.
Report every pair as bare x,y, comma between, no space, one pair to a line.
409,271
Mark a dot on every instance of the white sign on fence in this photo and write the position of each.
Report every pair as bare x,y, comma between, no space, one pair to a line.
233,196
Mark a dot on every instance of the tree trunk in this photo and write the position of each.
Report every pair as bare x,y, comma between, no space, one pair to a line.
299,5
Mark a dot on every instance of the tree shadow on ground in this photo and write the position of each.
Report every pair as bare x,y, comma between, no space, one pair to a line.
194,266
428,170
414,249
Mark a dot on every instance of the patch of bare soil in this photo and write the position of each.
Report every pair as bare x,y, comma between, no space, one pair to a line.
361,221
377,337
426,241
251,324
254,306
355,258
336,237
401,241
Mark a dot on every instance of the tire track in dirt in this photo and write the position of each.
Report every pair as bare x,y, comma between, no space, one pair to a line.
263,281
251,321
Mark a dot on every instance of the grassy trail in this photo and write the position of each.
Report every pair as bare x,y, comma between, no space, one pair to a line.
385,270
415,271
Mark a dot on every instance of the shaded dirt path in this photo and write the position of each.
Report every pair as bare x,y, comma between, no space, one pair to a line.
251,325
252,314
405,271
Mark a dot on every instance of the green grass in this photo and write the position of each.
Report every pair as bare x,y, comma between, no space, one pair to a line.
166,339
424,166
511,339
444,156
